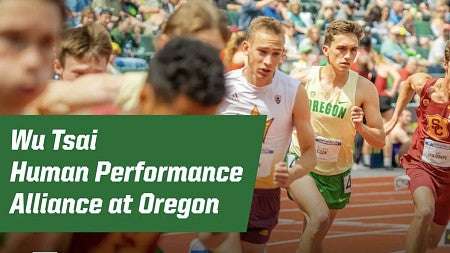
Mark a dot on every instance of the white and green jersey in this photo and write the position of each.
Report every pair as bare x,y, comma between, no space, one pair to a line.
330,119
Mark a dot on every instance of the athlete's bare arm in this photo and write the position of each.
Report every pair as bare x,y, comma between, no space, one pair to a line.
302,121
414,84
367,105
64,97
300,74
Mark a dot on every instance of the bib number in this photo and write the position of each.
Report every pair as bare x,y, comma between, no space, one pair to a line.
265,162
347,184
291,159
327,150
436,153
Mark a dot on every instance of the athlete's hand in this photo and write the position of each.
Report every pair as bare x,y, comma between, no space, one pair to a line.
357,116
389,125
281,176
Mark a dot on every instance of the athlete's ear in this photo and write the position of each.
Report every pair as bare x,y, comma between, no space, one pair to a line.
245,47
57,66
325,50
445,64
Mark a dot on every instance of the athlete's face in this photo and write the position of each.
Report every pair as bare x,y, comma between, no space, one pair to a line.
26,50
264,51
76,67
342,51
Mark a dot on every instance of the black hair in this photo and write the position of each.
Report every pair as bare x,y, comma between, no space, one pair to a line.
365,43
189,67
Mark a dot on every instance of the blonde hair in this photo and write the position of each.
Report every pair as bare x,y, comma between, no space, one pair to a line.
267,24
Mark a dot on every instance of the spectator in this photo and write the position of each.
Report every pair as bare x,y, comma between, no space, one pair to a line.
399,139
290,41
137,12
302,20
399,16
112,5
314,39
363,63
347,10
436,54
437,21
409,69
326,14
377,20
425,11
123,37
276,10
385,71
104,18
250,10
76,7
391,47
87,17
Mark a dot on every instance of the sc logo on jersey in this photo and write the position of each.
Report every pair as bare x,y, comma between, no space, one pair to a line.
437,126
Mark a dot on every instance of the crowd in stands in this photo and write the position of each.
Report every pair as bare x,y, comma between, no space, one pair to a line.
401,37
398,30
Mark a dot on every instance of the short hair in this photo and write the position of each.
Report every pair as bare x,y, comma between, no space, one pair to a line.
267,24
338,27
195,16
90,41
106,11
365,43
189,67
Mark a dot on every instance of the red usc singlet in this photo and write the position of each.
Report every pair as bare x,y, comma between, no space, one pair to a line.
428,159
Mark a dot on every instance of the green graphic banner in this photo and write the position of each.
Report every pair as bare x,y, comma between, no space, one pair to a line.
127,173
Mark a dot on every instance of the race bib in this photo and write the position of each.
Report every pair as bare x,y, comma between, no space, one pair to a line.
436,153
347,184
327,150
291,159
265,161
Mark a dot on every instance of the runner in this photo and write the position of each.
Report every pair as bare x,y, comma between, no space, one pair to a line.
261,89
339,99
427,162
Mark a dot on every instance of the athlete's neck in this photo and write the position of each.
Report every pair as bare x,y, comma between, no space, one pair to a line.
334,77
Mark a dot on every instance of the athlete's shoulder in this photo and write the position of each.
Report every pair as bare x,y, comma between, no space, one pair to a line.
419,78
286,79
304,75
417,81
362,80
233,74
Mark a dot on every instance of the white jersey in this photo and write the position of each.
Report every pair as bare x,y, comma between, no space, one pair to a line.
275,100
